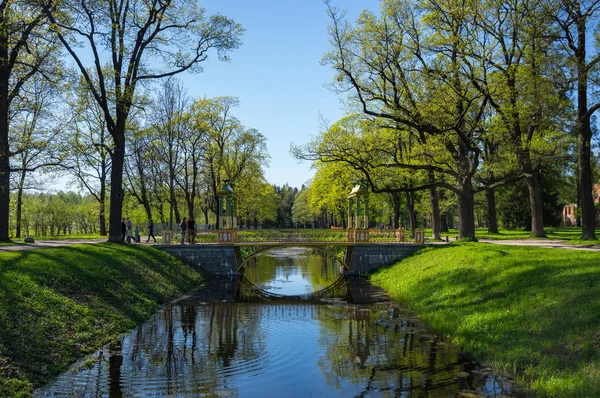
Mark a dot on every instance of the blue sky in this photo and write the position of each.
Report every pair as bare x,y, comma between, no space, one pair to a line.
277,74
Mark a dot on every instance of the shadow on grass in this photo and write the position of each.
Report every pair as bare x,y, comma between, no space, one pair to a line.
526,309
58,304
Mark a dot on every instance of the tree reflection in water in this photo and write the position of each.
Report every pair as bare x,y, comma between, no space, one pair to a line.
204,346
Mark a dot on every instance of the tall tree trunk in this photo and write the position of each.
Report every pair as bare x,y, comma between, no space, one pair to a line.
536,205
492,217
171,197
588,213
435,208
444,223
116,184
412,215
191,208
205,212
578,203
4,147
102,203
20,204
396,199
466,210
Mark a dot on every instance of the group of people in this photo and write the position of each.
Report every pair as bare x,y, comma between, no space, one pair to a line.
188,230
126,231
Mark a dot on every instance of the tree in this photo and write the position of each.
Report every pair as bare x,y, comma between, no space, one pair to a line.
575,18
88,149
143,41
410,77
169,114
516,59
301,210
24,52
34,136
230,149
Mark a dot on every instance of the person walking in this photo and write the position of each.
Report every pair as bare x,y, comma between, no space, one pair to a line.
128,234
191,230
183,227
151,231
123,229
137,234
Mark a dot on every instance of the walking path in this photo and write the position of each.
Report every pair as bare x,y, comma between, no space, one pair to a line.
42,244
555,244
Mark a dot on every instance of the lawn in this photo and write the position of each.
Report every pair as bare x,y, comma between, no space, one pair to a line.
570,235
58,304
530,312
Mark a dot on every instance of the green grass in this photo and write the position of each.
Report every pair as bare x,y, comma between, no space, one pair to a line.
570,235
58,304
531,312
64,237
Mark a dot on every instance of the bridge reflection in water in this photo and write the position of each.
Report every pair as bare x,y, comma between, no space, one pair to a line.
208,345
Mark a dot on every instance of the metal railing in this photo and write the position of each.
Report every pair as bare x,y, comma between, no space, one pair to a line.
307,236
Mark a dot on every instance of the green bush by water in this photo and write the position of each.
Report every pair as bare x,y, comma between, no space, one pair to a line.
58,304
532,312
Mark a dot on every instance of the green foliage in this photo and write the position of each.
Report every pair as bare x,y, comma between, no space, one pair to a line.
58,304
59,214
531,310
302,212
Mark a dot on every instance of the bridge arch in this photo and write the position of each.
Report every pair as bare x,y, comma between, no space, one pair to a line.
243,260
333,290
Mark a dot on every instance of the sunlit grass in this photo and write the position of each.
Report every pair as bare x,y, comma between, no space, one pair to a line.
63,237
527,310
571,235
60,303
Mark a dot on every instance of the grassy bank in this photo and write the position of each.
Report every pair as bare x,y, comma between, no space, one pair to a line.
58,304
528,311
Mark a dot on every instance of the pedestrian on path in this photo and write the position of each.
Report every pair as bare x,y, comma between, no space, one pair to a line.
129,232
191,230
151,231
123,229
183,227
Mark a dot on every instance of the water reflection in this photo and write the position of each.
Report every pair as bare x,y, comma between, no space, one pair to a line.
206,345
292,271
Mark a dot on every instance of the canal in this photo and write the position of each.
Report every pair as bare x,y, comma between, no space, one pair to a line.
208,344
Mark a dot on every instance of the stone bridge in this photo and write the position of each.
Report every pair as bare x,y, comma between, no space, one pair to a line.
230,259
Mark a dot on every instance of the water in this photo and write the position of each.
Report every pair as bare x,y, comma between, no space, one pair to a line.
209,345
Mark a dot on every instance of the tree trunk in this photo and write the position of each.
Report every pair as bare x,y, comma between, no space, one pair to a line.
20,204
102,203
536,205
466,213
435,208
444,223
102,218
492,218
588,211
412,215
396,199
4,148
116,184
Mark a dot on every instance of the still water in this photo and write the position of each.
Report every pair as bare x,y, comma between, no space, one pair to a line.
206,344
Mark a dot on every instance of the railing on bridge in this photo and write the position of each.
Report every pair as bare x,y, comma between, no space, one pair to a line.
248,236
